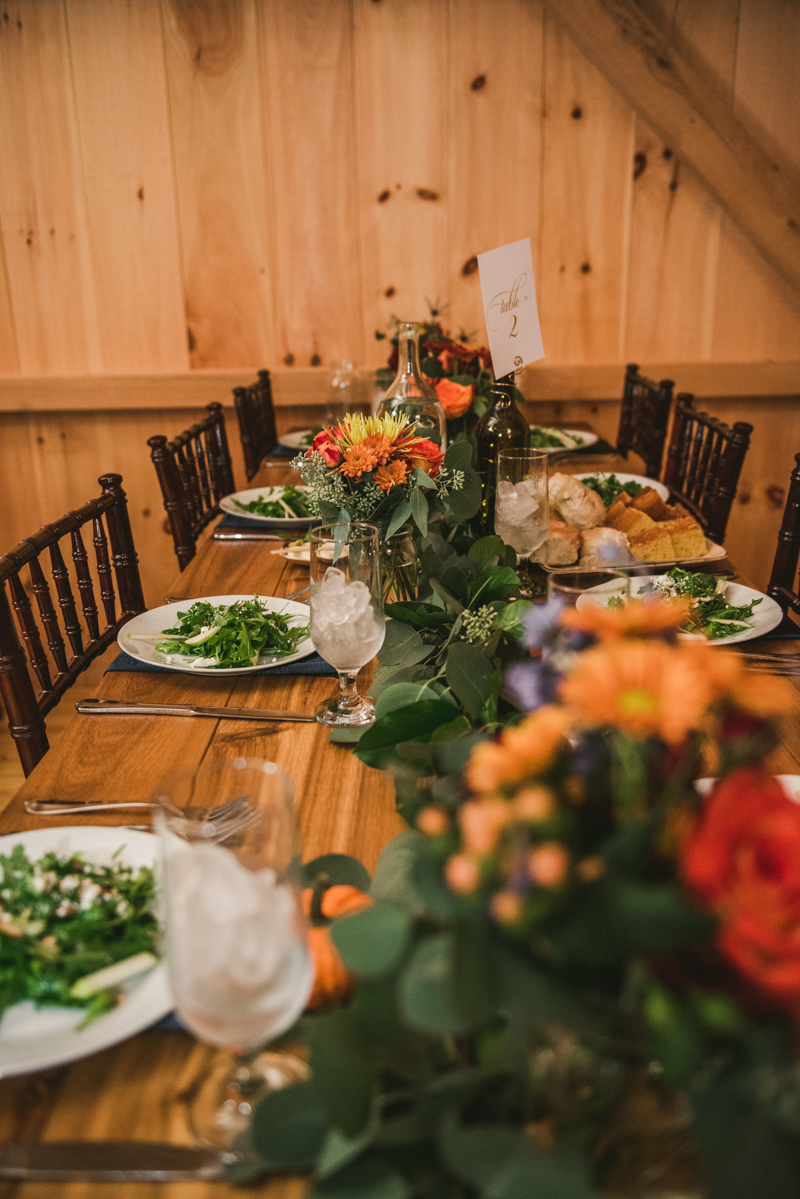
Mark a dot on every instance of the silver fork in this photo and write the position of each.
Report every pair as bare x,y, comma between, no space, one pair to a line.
75,807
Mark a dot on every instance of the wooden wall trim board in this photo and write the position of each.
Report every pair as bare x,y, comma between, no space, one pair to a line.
693,113
308,387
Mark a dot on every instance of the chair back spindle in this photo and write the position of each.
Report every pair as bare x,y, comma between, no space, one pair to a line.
256,416
194,472
643,419
783,583
704,462
26,710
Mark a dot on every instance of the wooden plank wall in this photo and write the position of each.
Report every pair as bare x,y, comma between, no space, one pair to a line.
217,185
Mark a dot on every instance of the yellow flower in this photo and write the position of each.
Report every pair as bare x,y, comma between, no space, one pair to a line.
520,752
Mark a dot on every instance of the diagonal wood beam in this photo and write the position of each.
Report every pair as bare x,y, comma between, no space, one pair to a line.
693,115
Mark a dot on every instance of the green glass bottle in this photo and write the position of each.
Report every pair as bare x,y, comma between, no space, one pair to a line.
502,427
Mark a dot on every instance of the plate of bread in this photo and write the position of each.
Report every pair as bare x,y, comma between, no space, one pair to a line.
618,520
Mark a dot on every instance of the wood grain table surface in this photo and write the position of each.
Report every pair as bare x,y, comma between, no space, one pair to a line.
137,1090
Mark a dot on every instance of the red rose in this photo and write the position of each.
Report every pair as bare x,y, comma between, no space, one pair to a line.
743,858
322,444
426,454
454,397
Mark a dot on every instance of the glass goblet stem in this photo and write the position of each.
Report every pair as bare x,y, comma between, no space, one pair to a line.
349,697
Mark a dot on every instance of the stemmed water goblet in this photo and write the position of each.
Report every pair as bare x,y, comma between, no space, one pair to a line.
236,941
522,505
347,621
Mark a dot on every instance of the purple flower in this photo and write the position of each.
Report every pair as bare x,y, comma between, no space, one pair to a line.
541,621
532,684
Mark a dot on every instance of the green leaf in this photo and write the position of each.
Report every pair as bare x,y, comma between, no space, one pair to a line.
450,601
464,503
421,478
328,511
289,1127
674,1036
345,736
432,367
415,722
475,980
471,676
402,646
399,517
390,676
373,940
341,1070
418,613
400,695
530,991
455,728
487,547
367,1178
511,618
458,456
339,1150
340,869
496,582
427,996
393,880
419,510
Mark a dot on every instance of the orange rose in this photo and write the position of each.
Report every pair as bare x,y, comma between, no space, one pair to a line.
743,859
325,446
454,397
426,454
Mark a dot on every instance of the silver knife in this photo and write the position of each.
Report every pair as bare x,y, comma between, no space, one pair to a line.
109,1161
115,707
255,535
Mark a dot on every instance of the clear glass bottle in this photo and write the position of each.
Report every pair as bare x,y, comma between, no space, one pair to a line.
410,392
502,427
342,397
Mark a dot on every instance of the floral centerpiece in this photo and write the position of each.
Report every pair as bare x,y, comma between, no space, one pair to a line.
378,469
578,975
460,373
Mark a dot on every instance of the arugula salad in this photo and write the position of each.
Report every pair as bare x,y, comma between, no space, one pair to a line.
73,931
543,438
609,488
229,635
711,613
289,505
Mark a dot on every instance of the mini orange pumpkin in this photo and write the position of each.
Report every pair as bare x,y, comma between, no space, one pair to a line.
333,982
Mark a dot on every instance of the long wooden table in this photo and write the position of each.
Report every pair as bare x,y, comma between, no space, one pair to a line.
138,1090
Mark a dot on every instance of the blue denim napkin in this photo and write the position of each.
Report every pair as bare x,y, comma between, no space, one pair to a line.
305,666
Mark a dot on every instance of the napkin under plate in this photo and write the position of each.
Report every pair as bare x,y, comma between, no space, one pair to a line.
313,665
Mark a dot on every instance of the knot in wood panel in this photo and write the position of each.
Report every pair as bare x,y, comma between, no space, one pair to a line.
639,164
384,196
478,82
576,113
425,193
470,266
288,359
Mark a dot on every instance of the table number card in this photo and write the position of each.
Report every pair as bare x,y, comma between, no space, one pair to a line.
509,306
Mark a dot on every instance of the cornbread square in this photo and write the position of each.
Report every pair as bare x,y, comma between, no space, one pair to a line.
622,502
687,537
631,521
676,511
648,500
653,545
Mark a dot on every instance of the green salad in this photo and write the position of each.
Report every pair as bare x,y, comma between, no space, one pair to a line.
609,488
289,505
71,932
711,613
229,635
543,438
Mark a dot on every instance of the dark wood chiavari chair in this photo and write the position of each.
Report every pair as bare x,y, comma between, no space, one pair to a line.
704,461
25,710
783,583
643,419
195,472
256,422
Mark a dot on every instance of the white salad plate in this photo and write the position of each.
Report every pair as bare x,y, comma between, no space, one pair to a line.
38,1038
766,616
789,782
295,441
587,439
166,617
642,480
264,493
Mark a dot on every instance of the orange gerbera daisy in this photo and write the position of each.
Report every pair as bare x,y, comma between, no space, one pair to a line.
391,474
358,460
643,688
520,752
636,619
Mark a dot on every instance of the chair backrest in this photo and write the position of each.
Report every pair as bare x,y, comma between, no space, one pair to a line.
256,422
704,461
57,672
195,472
783,583
643,419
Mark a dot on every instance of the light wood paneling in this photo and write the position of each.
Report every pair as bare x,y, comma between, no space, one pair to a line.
494,194
215,112
401,53
307,81
117,53
586,181
42,203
